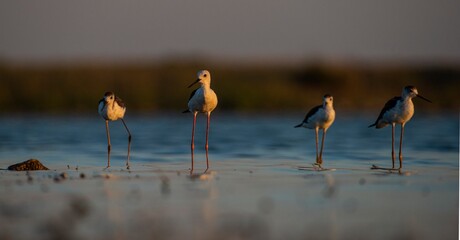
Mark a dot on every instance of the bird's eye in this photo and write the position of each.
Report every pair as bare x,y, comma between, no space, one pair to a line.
204,75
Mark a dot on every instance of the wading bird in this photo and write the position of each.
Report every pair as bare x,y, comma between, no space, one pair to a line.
112,108
202,100
397,110
320,117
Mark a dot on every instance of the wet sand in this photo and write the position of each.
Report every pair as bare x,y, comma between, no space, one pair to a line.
237,199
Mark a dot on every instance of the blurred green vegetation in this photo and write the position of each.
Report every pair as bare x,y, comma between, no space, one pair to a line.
150,87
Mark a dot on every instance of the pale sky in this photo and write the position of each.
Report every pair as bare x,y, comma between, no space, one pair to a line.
413,30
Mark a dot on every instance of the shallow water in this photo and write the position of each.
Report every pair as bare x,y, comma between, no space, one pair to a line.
254,191
430,140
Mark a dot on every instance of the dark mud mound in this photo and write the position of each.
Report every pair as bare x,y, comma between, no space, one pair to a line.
29,165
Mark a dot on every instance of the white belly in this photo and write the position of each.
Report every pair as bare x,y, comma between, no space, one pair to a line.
323,119
111,112
203,101
401,113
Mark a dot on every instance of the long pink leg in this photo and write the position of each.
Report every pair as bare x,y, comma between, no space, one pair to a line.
108,141
322,146
192,145
400,147
316,135
207,146
129,142
393,144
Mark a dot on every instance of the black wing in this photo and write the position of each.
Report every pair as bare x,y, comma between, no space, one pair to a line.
309,114
389,105
119,102
191,95
312,112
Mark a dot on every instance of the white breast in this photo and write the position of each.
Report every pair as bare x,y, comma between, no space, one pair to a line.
322,119
401,113
111,111
204,100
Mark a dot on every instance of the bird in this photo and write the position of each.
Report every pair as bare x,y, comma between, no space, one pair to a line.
320,117
112,108
398,110
202,100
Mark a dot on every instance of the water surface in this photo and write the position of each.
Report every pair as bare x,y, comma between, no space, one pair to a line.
254,190
430,140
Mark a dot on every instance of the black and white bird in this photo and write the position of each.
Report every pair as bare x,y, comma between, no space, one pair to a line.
398,110
320,117
202,100
112,108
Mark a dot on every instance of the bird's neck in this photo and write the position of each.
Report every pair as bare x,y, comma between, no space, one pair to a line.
115,104
205,86
327,106
406,98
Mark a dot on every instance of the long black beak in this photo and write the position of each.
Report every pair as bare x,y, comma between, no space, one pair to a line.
420,96
194,83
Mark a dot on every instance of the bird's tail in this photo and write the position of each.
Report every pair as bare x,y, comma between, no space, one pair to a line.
372,125
186,111
297,126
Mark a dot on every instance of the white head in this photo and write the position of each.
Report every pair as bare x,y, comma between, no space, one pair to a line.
109,97
203,77
328,100
411,91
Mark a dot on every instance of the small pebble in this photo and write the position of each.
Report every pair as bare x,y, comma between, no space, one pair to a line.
165,186
63,175
57,179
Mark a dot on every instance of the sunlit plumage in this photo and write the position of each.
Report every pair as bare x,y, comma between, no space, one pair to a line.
320,117
398,110
112,108
202,100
